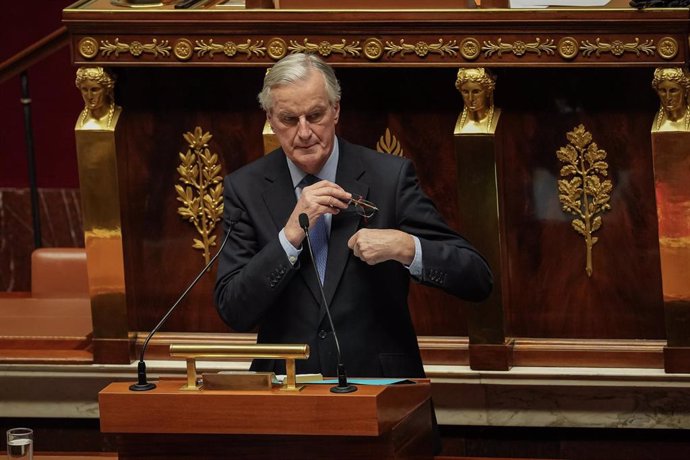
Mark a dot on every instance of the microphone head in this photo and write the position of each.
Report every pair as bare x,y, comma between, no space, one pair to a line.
304,221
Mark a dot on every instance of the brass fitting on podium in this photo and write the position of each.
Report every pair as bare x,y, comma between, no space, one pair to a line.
288,352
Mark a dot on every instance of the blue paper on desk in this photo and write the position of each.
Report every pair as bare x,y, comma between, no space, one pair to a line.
361,381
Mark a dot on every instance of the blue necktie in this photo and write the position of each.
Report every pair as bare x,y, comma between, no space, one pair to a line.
318,234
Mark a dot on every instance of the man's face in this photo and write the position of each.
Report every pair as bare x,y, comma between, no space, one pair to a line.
304,121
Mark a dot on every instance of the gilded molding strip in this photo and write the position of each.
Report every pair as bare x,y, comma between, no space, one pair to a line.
568,47
135,48
371,48
519,48
388,143
583,193
668,47
421,49
617,47
229,48
325,48
200,172
88,47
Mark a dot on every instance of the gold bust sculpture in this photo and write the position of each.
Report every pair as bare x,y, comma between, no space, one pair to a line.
97,89
672,85
476,86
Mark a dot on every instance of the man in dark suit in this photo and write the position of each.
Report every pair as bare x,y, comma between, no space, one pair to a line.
266,278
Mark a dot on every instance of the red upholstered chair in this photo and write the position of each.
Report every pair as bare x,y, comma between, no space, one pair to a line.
59,272
52,323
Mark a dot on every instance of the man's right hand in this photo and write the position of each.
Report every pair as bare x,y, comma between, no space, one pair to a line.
323,197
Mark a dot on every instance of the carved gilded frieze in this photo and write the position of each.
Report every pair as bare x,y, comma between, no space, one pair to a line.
668,48
88,47
519,47
568,47
326,48
183,49
372,48
584,192
470,48
277,48
201,194
229,48
135,48
617,47
422,48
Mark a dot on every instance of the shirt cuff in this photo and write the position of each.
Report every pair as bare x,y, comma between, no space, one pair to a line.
290,251
416,266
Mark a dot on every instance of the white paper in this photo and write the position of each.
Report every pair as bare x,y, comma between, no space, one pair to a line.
232,4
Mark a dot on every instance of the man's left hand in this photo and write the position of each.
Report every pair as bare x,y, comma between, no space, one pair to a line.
374,246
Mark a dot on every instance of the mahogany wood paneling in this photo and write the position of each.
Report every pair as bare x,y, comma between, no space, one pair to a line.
160,105
456,350
419,107
565,443
589,353
624,26
543,95
550,294
677,359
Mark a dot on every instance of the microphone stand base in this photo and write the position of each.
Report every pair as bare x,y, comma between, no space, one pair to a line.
142,386
343,389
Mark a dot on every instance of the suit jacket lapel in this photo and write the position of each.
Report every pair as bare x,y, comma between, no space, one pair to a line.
280,200
345,224
280,204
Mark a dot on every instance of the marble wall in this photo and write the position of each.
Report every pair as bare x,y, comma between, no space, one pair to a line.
61,226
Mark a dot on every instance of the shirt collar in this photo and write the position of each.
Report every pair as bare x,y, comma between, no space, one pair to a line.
327,172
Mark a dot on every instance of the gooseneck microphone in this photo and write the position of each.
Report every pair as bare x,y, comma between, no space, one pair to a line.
142,383
343,386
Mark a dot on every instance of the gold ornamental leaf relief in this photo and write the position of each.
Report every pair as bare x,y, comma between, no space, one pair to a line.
201,194
617,47
584,191
326,48
422,49
388,143
229,48
519,47
135,48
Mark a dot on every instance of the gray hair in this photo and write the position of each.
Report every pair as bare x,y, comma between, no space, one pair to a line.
296,67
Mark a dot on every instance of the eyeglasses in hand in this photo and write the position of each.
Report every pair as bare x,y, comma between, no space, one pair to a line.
363,208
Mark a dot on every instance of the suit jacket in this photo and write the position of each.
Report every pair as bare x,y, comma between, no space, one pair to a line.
258,287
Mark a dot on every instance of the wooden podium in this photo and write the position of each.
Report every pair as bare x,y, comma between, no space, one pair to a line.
382,422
